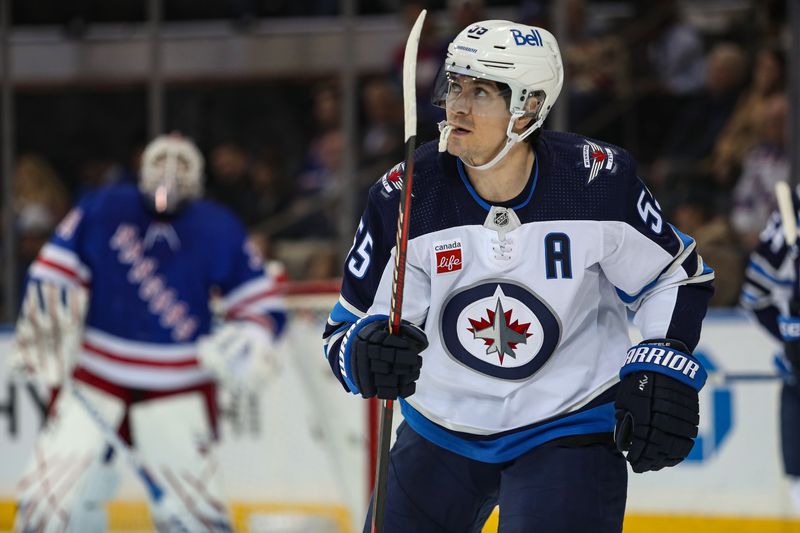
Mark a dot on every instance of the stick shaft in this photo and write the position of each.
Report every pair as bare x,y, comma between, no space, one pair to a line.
783,193
401,247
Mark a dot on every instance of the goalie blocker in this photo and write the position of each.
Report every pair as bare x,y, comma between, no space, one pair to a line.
657,405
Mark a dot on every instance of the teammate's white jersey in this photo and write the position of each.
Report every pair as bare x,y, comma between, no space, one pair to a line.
771,275
523,303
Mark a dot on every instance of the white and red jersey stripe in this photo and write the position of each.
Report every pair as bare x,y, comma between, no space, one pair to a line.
60,265
141,365
253,300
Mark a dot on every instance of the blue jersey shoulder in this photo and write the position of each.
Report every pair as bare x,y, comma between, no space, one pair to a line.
214,219
587,160
114,199
124,202
387,188
583,178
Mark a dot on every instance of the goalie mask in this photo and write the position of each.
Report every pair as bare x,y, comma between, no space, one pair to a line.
522,63
171,174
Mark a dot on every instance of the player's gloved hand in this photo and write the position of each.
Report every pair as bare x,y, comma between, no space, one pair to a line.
790,331
48,332
240,354
657,407
384,364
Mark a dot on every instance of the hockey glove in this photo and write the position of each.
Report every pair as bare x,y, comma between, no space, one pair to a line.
790,331
384,364
48,333
657,407
240,354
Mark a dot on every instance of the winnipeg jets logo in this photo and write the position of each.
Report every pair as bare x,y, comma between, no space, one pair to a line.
499,328
596,158
500,334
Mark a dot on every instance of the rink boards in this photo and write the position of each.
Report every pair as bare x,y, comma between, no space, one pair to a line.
297,454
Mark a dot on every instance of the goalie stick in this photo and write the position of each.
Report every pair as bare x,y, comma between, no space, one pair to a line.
398,280
155,491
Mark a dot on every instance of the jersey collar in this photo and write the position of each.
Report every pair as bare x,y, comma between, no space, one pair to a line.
486,205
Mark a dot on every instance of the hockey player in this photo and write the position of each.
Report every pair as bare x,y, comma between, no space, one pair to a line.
526,249
770,291
144,260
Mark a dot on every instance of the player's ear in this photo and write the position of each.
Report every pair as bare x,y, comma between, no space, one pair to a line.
531,106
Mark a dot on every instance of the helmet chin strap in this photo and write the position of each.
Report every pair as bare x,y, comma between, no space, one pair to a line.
511,139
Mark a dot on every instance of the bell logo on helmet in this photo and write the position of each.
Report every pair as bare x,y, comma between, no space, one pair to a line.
533,38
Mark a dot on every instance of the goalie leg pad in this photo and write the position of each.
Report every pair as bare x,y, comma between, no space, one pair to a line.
175,438
66,467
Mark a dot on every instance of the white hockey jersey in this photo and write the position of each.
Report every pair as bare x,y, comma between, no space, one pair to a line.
150,281
771,276
524,303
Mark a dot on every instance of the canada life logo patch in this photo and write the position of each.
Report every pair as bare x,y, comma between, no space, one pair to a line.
448,256
499,328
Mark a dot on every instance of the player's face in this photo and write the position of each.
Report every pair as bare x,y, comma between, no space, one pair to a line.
478,111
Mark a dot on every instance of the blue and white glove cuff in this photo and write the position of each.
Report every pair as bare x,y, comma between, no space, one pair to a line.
344,349
789,326
664,360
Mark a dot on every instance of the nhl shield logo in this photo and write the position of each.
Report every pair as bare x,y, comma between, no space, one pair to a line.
499,328
501,218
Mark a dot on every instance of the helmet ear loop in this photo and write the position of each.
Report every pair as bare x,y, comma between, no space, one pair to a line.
535,114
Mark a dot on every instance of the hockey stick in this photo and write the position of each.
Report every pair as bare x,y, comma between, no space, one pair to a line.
744,377
783,193
155,491
398,280
786,208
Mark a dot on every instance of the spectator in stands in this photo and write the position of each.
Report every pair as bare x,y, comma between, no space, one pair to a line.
271,190
741,133
431,50
382,142
668,68
318,185
229,182
462,13
325,149
694,214
692,135
597,65
36,183
98,171
763,167
676,51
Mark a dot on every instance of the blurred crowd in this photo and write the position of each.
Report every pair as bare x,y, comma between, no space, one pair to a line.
700,102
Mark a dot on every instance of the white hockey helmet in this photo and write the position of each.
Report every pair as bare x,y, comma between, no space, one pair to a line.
171,173
525,58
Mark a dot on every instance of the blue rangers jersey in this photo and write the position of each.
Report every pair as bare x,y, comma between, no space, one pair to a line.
150,281
770,276
524,303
